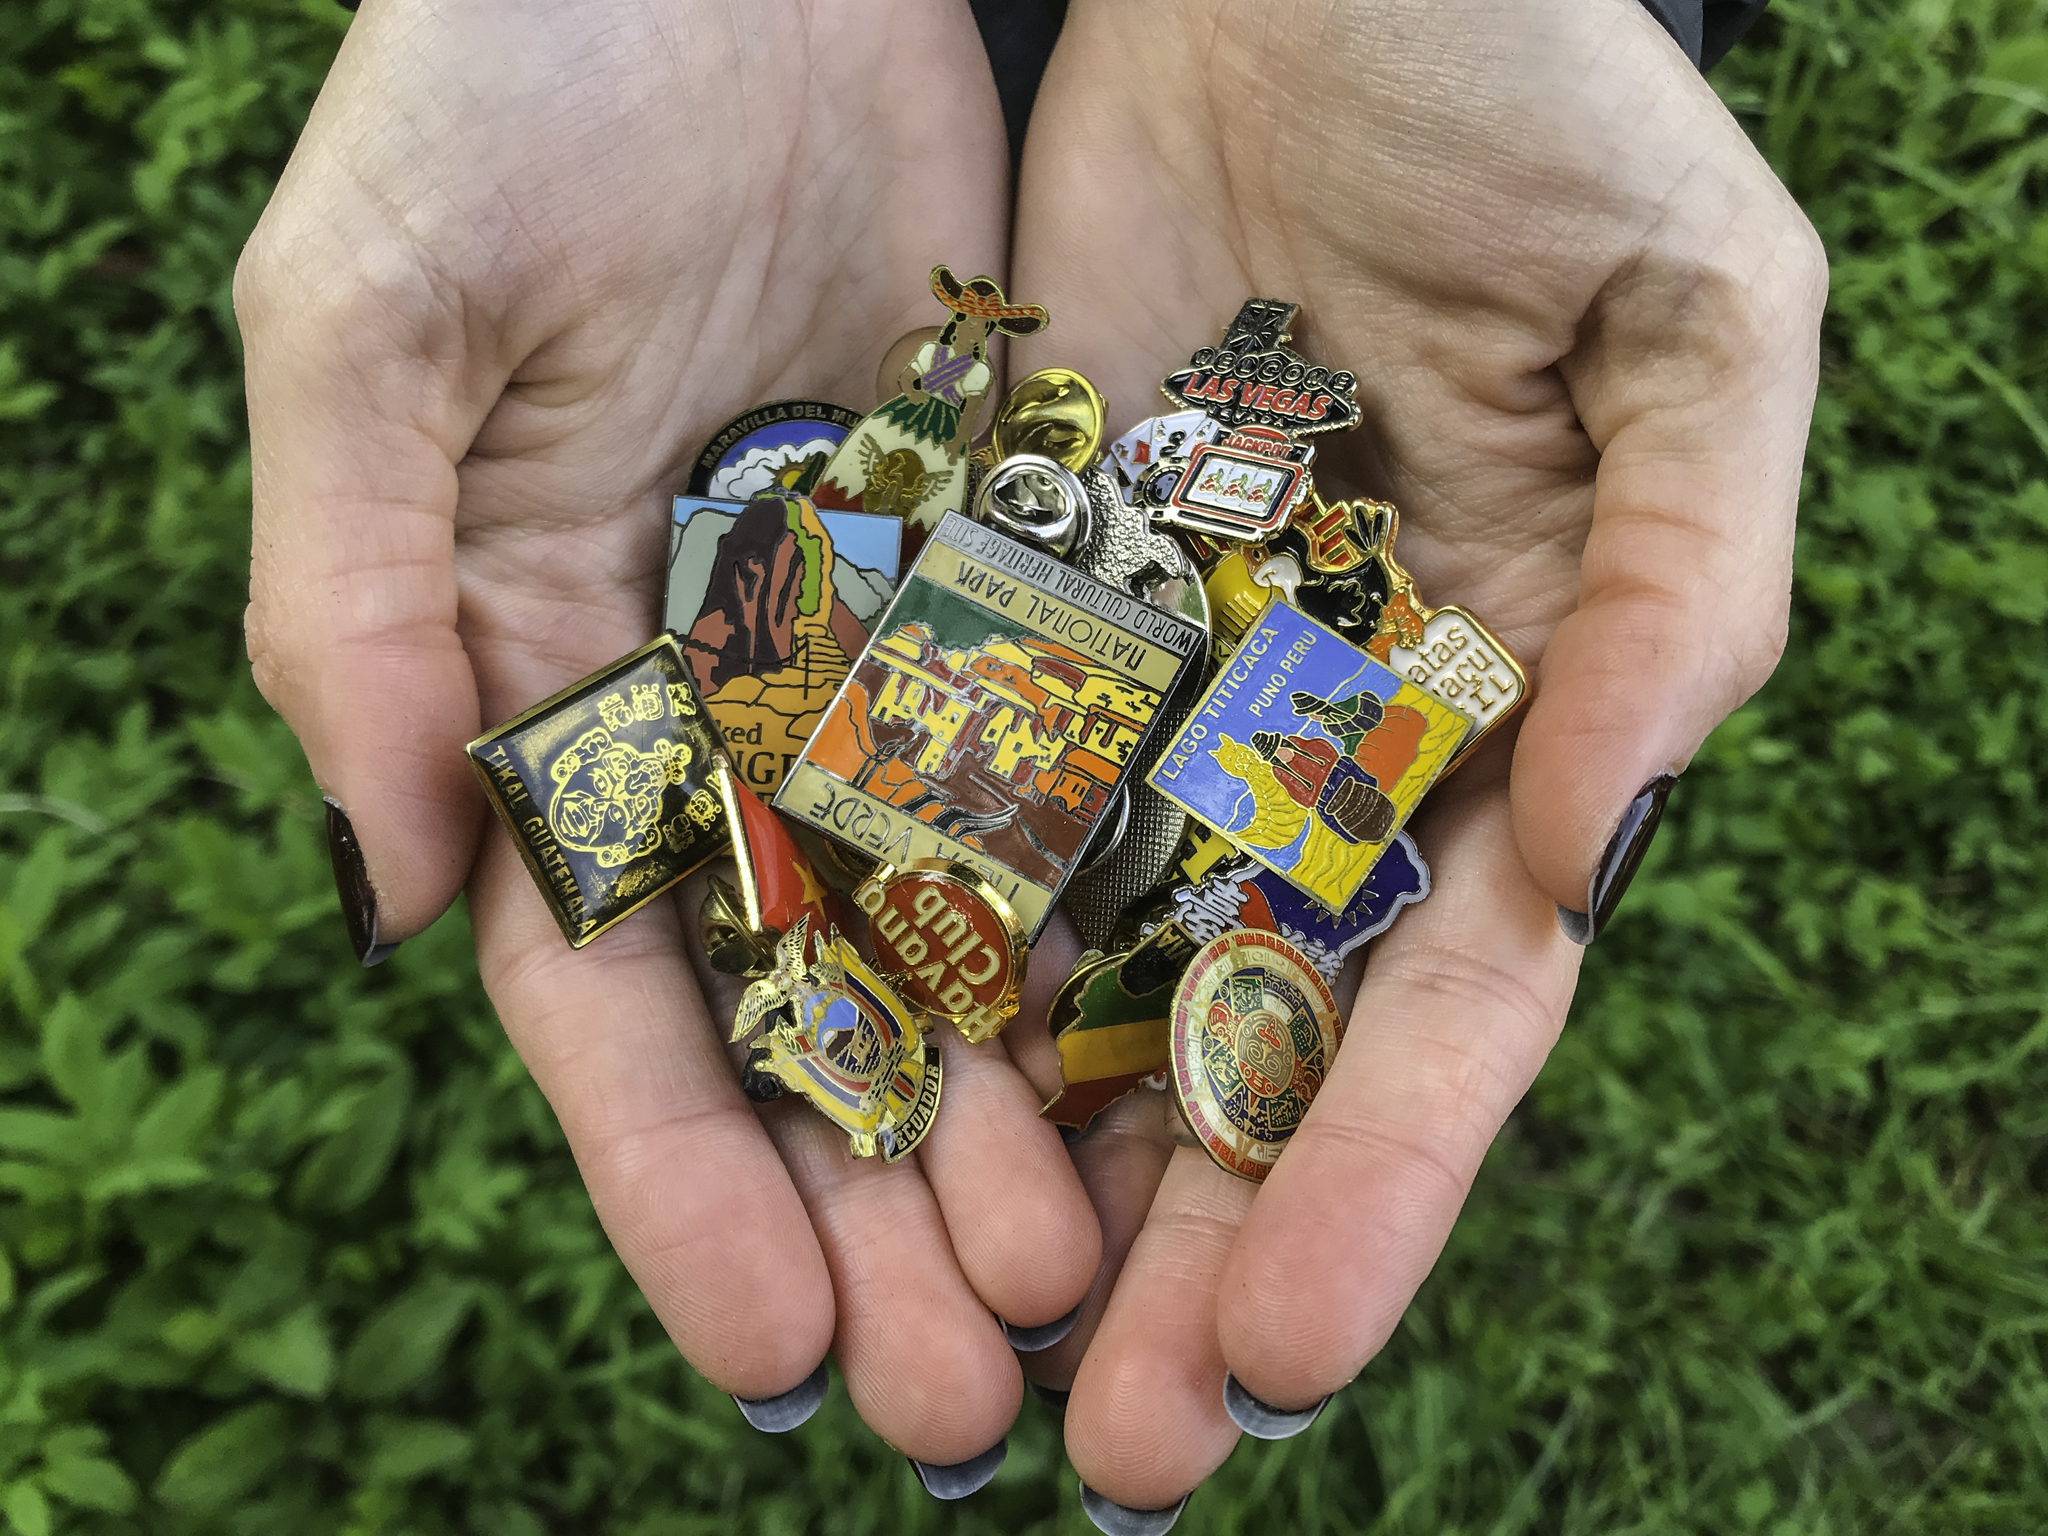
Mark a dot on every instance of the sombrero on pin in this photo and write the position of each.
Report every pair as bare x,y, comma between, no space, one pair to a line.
980,298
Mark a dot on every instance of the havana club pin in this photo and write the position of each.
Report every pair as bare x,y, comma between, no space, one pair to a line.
950,943
1254,1031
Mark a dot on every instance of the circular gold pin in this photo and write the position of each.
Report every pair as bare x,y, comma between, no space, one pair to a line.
951,943
1253,1033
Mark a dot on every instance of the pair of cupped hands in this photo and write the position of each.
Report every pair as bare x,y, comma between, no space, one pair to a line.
528,255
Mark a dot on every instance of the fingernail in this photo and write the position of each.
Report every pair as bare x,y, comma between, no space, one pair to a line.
1071,1134
779,1415
1052,1397
1029,1341
352,879
1114,1519
1618,865
1262,1421
962,1477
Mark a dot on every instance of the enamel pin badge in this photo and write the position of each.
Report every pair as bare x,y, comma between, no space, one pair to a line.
832,1032
1000,705
1253,1035
607,789
1309,754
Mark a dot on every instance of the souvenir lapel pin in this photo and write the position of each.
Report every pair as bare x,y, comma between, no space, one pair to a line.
1110,1022
833,1033
1243,481
1254,1031
1446,650
1218,890
607,789
908,458
777,887
1309,754
770,600
949,943
1002,701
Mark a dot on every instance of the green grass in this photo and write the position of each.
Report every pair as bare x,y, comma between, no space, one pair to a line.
289,1247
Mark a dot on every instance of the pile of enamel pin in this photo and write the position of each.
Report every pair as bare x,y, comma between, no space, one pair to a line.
1164,682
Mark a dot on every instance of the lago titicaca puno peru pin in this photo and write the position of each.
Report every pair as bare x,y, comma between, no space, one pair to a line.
1308,754
992,717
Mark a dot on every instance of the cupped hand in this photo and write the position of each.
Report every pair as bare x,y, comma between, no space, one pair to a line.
525,259
1584,316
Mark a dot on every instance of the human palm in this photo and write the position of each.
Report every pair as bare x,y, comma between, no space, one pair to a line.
1584,319
525,259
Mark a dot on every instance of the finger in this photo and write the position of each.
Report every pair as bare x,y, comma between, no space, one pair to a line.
1461,1001
1120,1161
358,413
1694,377
1146,1423
1017,1216
925,1363
687,1183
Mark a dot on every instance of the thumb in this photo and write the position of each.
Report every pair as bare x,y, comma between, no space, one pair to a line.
355,426
1695,379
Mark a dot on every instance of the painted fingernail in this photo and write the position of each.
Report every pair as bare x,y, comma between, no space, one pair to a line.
779,1415
1114,1519
352,879
1053,1397
1618,865
962,1477
1029,1341
1262,1421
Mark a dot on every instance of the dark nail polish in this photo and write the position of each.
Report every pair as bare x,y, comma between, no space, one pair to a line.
779,1415
1114,1519
1262,1421
1071,1134
1029,1341
1053,1397
962,1477
352,879
1618,865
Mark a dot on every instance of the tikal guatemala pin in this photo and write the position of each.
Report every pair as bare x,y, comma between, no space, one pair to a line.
607,789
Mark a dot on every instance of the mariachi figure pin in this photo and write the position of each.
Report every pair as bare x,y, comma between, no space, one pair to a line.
948,942
908,457
1309,754
1254,1032
607,789
1000,705
832,1032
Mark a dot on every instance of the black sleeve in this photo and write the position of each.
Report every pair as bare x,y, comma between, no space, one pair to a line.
1706,29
